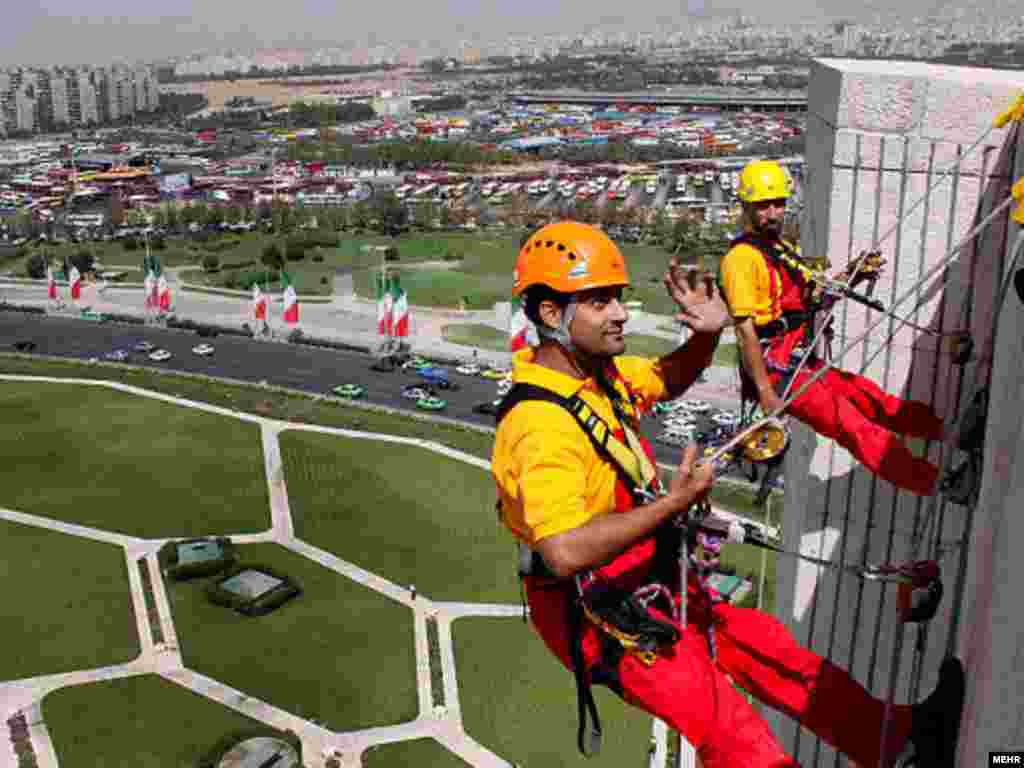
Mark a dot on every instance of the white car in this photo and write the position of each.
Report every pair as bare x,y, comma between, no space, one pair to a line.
726,419
160,356
504,386
202,349
468,369
696,406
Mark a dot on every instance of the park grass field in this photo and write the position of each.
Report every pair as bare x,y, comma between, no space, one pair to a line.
67,603
425,753
409,515
137,466
255,399
339,653
143,721
518,701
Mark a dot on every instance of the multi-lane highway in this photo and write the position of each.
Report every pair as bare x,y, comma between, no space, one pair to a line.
304,368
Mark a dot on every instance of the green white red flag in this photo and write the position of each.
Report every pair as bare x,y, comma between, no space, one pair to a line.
518,327
291,301
259,303
384,305
399,310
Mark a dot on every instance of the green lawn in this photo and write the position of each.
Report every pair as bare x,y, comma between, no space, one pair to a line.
339,653
143,721
129,464
411,516
422,753
518,701
75,611
254,399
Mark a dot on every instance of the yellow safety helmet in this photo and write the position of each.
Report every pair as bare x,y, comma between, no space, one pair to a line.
764,180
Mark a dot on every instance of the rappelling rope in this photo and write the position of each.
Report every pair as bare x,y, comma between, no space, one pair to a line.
788,399
846,285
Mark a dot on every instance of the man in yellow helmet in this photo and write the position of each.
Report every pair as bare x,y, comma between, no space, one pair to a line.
577,487
765,284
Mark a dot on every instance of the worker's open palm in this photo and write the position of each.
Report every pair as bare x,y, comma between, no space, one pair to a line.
701,308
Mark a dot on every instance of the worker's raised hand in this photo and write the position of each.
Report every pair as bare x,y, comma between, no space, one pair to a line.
692,481
701,308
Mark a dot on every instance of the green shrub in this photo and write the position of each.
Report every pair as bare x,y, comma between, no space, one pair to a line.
391,253
452,255
35,266
245,280
271,256
130,244
295,249
318,258
211,262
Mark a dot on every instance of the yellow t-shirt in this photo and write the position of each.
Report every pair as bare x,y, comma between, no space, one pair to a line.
550,477
748,286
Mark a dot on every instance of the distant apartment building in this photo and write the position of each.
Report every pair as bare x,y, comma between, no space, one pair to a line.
52,99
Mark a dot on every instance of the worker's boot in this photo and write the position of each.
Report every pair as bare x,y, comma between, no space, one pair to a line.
935,722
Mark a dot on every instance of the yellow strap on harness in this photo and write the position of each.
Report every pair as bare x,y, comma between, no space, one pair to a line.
630,643
631,458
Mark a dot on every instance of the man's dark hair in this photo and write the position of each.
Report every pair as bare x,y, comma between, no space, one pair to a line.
535,294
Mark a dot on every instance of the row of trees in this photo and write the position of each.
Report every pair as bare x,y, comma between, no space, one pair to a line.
405,155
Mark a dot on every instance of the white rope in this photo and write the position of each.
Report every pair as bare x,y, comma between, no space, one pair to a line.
942,176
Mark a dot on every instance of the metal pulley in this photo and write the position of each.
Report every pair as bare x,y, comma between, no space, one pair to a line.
766,443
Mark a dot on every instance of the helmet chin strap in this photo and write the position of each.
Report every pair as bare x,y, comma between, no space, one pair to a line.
561,334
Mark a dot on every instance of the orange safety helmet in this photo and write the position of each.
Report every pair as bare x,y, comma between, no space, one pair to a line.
568,256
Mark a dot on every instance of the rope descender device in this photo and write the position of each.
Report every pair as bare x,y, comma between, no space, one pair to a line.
767,442
1018,195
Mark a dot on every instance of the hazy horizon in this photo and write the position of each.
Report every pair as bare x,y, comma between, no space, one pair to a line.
56,32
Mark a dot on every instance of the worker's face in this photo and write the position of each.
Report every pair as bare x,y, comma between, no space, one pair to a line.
598,329
769,215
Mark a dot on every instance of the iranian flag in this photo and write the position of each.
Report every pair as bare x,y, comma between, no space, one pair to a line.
399,310
384,305
291,301
158,275
75,281
259,303
518,327
163,292
51,284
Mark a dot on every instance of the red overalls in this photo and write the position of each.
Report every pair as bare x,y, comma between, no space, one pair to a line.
694,693
847,408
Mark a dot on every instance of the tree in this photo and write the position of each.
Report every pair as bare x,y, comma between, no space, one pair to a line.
211,262
272,257
82,260
232,214
35,266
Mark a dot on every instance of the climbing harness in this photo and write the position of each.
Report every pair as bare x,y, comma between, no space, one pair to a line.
623,619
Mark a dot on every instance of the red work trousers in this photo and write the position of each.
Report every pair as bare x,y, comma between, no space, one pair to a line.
694,695
869,422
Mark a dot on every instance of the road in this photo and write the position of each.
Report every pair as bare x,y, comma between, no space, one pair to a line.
308,369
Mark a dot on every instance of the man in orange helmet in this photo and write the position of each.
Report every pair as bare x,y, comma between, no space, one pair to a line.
577,486
771,300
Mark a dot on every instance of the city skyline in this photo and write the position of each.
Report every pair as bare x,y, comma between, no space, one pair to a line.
56,32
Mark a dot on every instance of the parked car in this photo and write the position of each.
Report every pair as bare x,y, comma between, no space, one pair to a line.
144,346
203,350
160,356
116,355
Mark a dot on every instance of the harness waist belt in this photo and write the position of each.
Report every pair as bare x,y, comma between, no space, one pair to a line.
532,564
788,322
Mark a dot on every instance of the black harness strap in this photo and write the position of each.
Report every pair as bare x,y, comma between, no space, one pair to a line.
606,672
